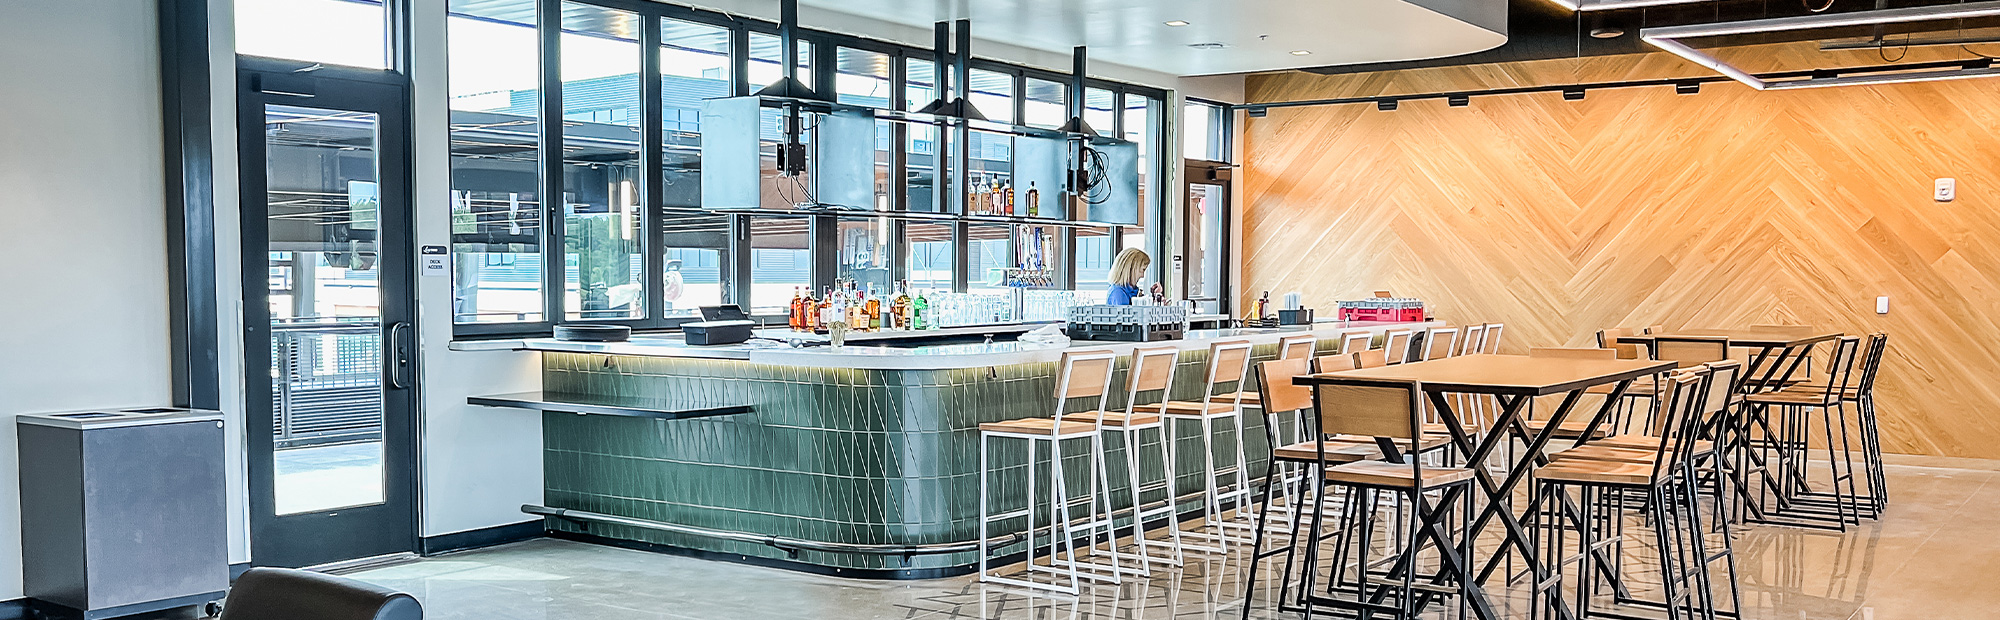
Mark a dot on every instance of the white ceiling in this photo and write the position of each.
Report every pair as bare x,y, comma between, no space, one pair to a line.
1260,34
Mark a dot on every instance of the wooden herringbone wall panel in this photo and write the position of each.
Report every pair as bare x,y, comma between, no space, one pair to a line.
1639,206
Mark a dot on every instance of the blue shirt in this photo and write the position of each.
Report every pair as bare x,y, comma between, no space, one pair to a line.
1122,294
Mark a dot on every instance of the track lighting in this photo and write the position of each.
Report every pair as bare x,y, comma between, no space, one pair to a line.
1386,105
1572,94
1458,101
1687,88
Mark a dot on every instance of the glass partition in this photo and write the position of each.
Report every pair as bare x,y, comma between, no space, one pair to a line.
354,33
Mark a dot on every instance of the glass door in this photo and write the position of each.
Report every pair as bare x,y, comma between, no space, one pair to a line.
327,261
1206,242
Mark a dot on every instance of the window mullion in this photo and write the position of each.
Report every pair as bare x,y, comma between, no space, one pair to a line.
548,24
652,175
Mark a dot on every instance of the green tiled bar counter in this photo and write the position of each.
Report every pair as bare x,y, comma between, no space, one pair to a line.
859,445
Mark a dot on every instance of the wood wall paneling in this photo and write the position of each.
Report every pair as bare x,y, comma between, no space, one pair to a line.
1639,206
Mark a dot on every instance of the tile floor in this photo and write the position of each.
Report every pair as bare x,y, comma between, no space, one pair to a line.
1933,555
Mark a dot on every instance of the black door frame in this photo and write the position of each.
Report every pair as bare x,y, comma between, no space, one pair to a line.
1204,172
349,533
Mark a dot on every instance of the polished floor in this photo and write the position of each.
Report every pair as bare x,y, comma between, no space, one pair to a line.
1933,555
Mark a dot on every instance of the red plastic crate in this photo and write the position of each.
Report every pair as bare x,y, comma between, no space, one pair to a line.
1382,314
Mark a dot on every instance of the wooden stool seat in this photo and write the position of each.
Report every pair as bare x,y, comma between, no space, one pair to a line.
1113,419
1338,450
1595,471
1646,442
1570,429
1039,426
1217,408
1596,452
1386,474
1811,398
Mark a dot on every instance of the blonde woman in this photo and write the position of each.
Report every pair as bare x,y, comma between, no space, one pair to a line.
1126,271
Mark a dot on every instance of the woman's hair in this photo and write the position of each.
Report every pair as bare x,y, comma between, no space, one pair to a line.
1130,265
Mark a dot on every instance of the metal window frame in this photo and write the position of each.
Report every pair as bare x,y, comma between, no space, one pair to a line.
736,262
1668,38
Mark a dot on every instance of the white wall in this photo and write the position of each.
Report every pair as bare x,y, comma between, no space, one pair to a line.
480,464
82,195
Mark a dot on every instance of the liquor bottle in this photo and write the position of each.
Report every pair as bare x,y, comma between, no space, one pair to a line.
1263,304
1034,200
920,313
874,308
1007,198
823,310
792,316
900,308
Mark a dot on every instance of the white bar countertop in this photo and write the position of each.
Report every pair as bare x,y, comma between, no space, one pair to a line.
773,347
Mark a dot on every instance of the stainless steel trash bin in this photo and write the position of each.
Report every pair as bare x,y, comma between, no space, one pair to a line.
122,511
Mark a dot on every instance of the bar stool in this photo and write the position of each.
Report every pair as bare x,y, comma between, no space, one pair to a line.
1302,346
1151,373
1389,411
1665,480
1793,491
1439,343
1863,398
1396,345
1353,343
1081,376
1228,367
1471,340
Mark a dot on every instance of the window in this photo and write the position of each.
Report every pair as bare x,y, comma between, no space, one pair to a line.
691,276
694,65
496,210
336,32
993,93
543,234
928,256
1047,103
921,147
863,254
1100,109
764,54
1093,259
862,78
780,262
1141,124
602,226
1201,131
990,170
991,248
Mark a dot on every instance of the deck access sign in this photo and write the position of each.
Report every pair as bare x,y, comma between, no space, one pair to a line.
436,260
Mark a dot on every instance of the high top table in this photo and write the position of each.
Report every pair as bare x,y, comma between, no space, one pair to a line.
1514,381
1797,346
1792,347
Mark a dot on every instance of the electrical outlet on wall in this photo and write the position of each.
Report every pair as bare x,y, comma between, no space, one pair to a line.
1945,189
1882,305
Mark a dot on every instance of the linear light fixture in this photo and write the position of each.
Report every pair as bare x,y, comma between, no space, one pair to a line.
1668,38
1606,5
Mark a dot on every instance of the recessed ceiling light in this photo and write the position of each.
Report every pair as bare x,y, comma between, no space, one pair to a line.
1177,23
1301,52
1208,46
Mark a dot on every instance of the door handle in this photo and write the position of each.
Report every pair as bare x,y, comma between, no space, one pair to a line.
398,355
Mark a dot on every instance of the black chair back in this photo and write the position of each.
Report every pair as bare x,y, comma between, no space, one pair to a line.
286,594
